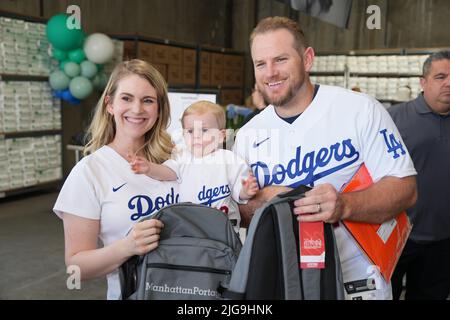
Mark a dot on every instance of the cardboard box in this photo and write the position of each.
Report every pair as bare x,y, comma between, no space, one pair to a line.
189,58
175,55
205,77
228,77
205,60
238,78
174,75
217,60
129,50
188,76
145,51
216,77
226,97
237,97
238,62
162,68
160,54
228,61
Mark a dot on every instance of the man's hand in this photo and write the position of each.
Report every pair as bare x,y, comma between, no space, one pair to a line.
322,203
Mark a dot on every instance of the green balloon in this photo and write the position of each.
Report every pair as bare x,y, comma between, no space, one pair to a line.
80,87
62,64
88,69
103,81
59,80
60,36
72,69
59,54
96,81
77,55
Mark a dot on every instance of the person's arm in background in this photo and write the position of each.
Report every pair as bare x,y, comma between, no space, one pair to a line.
81,249
264,195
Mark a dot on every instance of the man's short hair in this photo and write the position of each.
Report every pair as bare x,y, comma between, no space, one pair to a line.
276,23
441,55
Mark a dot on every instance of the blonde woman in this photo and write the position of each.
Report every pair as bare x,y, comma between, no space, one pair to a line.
102,198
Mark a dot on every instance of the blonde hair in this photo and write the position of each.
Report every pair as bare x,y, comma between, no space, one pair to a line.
158,144
276,23
203,107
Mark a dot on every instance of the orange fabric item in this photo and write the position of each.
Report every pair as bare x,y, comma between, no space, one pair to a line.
382,243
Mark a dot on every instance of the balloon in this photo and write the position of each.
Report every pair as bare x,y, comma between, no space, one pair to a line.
99,48
62,64
59,54
96,81
103,81
74,101
57,93
100,81
58,80
72,69
62,37
77,55
88,69
66,95
80,87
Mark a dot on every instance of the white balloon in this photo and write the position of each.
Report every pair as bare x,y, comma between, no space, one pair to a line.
98,48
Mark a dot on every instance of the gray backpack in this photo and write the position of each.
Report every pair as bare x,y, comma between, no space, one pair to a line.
268,265
197,252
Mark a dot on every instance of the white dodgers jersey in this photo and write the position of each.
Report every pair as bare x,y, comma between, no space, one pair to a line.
327,143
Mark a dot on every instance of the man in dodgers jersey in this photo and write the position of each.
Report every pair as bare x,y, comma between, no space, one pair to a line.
319,136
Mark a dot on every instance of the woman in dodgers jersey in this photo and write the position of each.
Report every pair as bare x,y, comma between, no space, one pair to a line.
319,136
102,197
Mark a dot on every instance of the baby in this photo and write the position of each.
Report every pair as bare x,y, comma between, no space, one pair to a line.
207,174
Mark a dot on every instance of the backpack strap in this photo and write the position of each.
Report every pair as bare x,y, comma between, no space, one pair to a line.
228,294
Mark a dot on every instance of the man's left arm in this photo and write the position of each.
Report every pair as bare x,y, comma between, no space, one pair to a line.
380,202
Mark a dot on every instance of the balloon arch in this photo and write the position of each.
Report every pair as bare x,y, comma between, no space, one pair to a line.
80,57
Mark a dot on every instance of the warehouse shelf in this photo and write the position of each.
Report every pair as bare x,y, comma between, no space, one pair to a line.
189,71
21,77
49,138
383,75
31,133
327,73
53,184
17,15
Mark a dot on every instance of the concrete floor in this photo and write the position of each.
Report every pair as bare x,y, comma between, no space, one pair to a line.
32,253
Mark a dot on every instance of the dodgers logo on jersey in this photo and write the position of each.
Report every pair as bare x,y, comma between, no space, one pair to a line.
146,206
307,166
393,144
211,195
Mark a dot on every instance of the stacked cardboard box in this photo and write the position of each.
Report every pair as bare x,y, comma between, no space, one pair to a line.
29,161
28,106
23,48
176,64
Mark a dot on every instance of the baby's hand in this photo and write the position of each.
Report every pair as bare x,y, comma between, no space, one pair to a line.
250,185
139,164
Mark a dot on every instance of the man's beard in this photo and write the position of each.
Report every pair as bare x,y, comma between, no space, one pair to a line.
283,100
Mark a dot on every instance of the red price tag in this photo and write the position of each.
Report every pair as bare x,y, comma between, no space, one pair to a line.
312,245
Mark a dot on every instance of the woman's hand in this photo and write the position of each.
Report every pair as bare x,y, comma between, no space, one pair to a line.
144,237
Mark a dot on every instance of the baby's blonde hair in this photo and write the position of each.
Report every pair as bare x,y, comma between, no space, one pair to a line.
203,107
